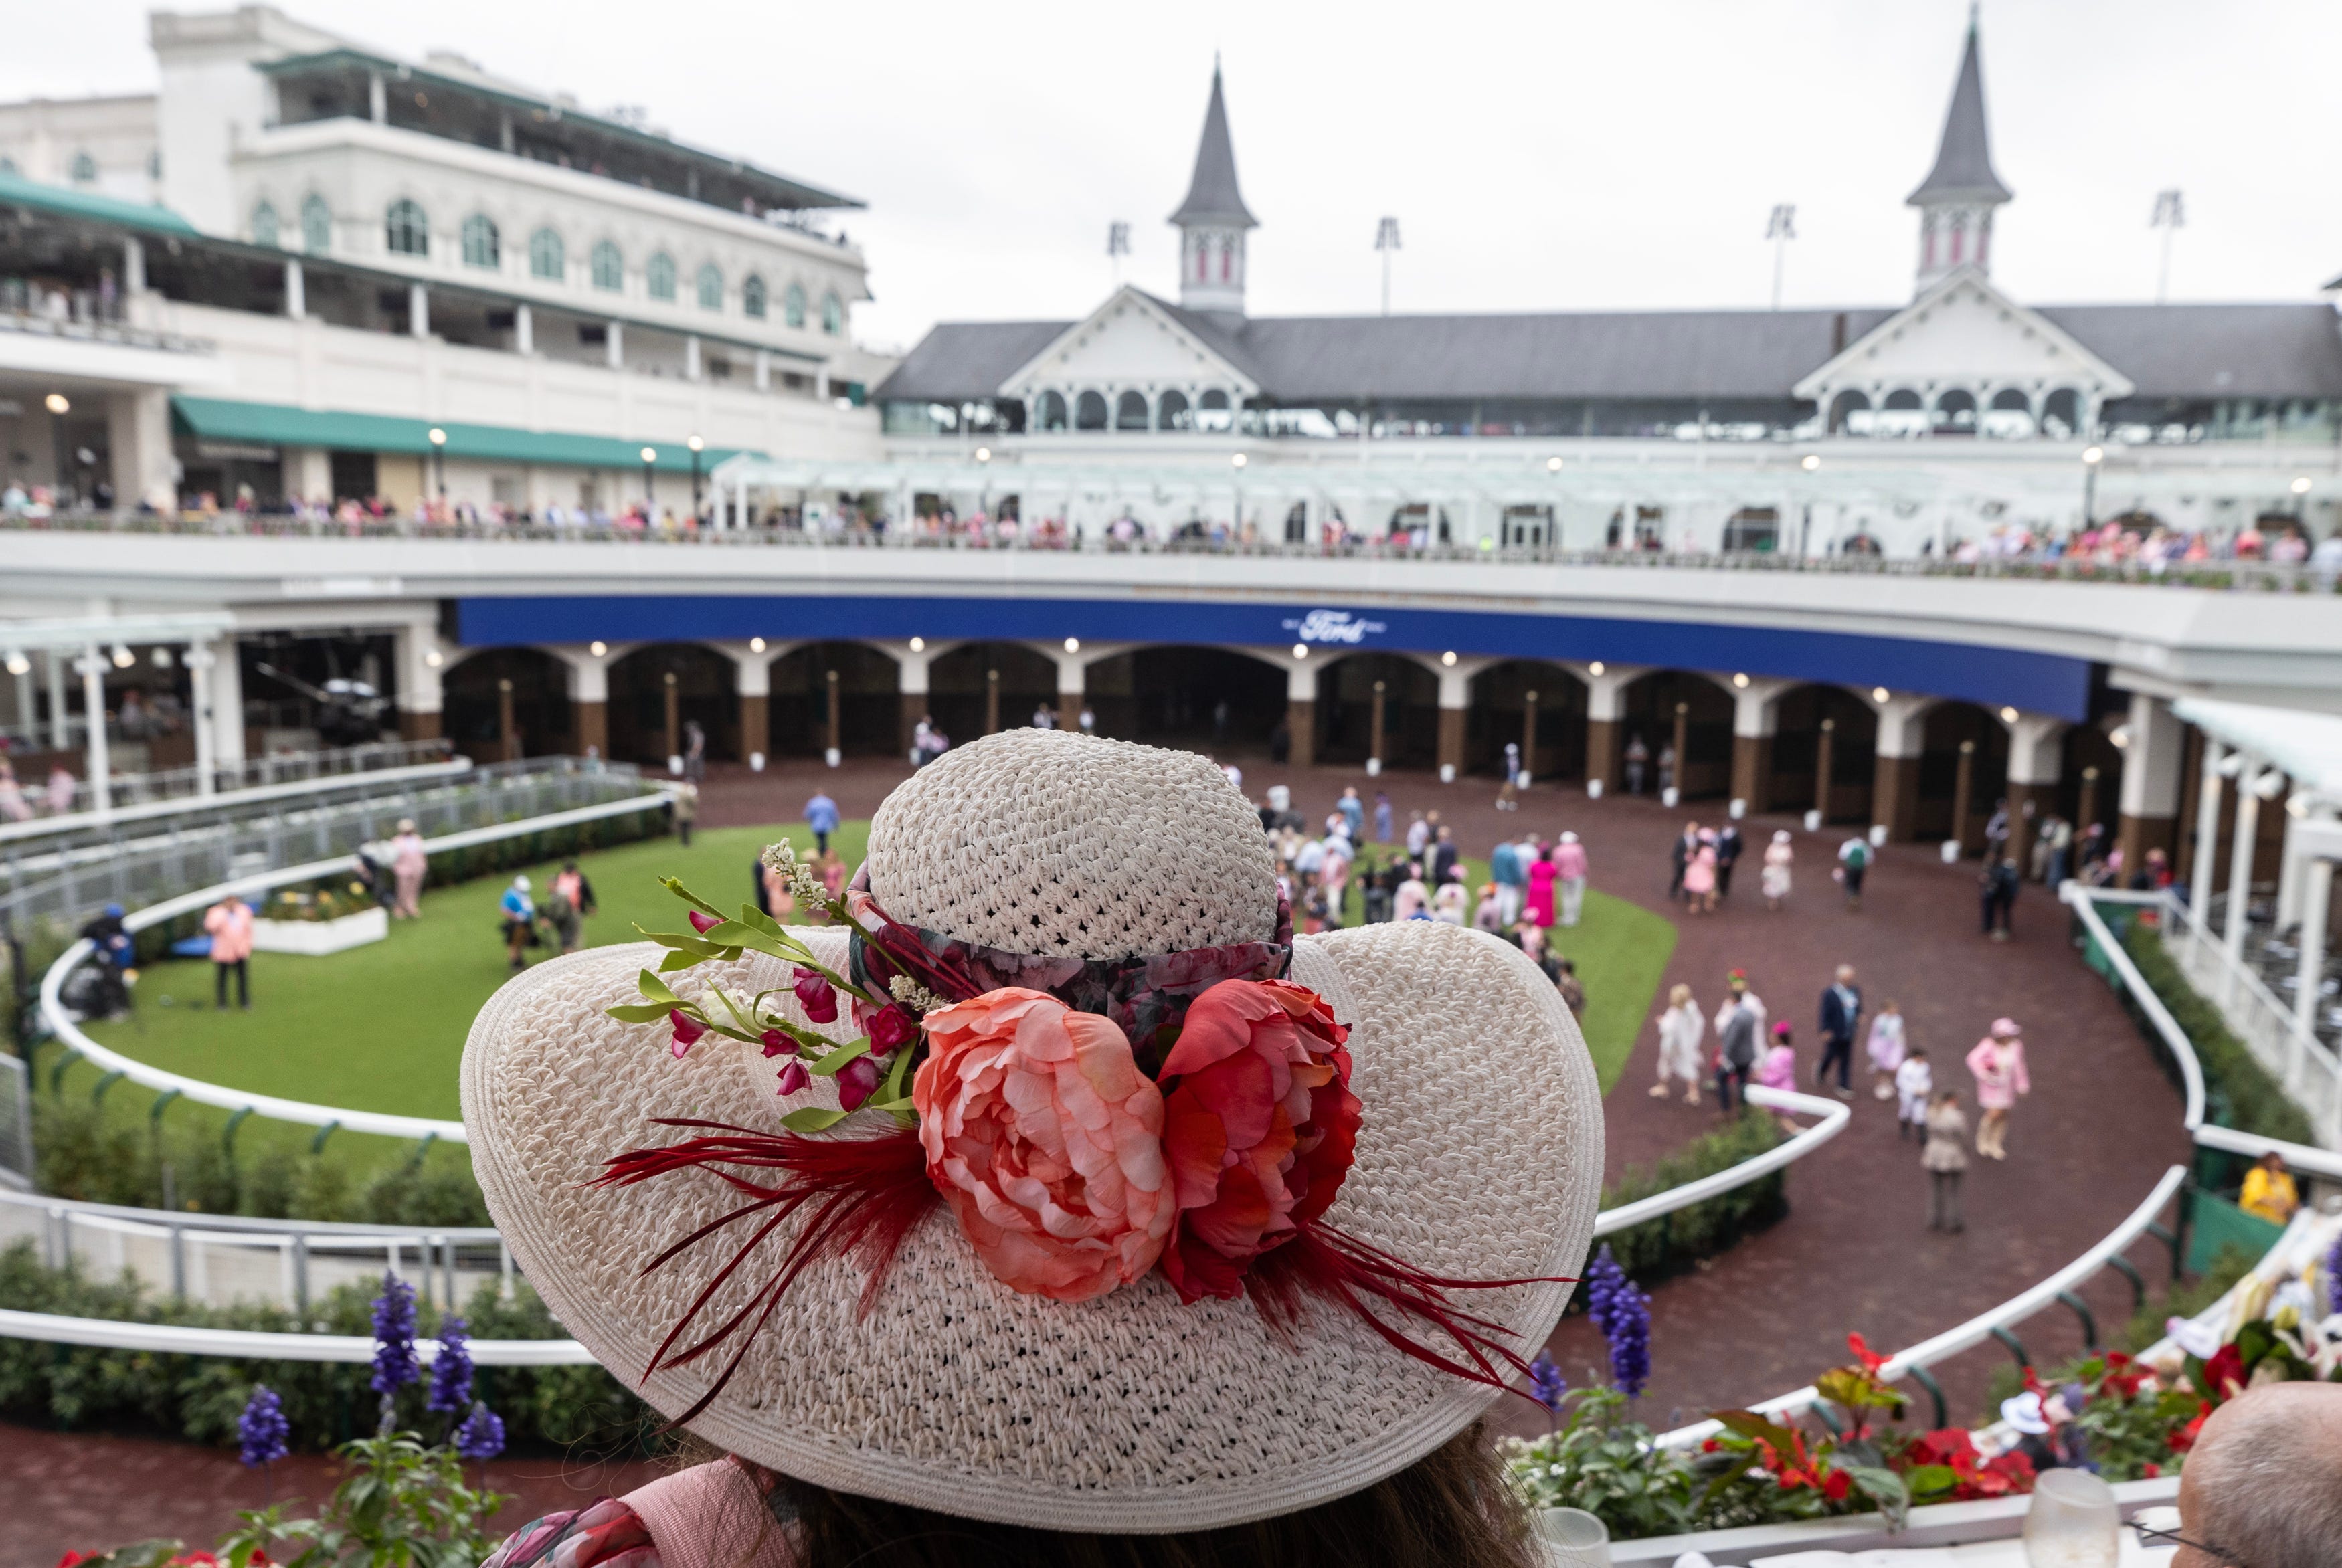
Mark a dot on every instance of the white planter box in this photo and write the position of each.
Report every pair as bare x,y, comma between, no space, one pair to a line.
1944,1525
318,937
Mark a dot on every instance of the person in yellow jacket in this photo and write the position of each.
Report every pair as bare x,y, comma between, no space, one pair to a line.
2269,1193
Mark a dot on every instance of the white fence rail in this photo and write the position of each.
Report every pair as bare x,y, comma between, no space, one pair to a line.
2269,1027
1834,1116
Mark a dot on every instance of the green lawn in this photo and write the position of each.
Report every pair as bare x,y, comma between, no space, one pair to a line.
381,1026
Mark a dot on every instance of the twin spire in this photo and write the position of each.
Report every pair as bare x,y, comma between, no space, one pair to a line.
1213,220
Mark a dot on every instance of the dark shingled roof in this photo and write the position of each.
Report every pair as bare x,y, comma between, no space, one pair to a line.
2213,350
2168,350
1211,194
1963,170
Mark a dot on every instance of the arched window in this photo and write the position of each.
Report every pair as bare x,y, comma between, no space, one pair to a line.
832,314
547,256
1213,412
405,231
658,276
1172,413
85,169
752,297
792,306
316,225
1089,410
610,267
482,246
1050,413
263,225
711,286
1130,411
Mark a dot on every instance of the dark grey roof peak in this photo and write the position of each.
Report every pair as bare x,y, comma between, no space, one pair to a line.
1963,170
1211,194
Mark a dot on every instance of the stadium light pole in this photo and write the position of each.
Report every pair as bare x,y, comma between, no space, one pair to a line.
650,485
2091,457
2171,215
438,439
1386,241
697,445
1780,228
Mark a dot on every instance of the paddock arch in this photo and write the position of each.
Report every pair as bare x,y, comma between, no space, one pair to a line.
1963,770
1663,703
1215,700
473,715
1792,782
1500,713
1130,412
966,700
659,689
869,711
1844,407
1344,710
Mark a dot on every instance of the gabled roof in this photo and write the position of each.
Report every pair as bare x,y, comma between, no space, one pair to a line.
967,361
2214,351
1212,194
1206,333
2014,317
1963,170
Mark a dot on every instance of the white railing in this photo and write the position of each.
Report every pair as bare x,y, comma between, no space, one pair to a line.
163,790
17,839
2269,1027
60,1018
1834,1116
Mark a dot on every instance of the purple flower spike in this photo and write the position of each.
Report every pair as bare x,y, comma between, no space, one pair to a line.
451,1374
1623,1314
395,1365
794,1077
778,1044
856,1080
1546,1385
2334,1277
482,1437
262,1428
687,1030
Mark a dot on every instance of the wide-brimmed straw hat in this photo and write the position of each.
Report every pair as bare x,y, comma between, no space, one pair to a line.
1477,1159
2005,1029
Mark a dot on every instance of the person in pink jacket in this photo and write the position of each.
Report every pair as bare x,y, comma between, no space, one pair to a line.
1998,1064
230,923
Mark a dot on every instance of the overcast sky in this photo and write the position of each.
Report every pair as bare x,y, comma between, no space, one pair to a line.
1557,155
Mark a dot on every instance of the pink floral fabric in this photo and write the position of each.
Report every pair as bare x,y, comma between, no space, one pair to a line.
604,1534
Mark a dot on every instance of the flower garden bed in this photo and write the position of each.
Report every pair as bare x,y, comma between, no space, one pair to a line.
316,938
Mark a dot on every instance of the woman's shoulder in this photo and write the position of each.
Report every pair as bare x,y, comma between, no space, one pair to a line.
608,1533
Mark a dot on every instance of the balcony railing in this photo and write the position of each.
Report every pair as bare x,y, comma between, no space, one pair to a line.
40,324
2214,573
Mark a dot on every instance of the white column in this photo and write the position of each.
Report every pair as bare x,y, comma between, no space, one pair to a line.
524,330
2317,895
134,265
763,371
296,291
199,659
613,344
691,357
60,725
2240,857
1604,690
26,707
227,704
1301,681
2150,776
93,703
420,688
2036,752
1455,697
2207,869
418,310
377,98
1072,681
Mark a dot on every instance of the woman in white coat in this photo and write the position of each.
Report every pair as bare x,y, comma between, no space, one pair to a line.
1680,1027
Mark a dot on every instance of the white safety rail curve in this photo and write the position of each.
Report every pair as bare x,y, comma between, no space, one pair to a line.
60,1021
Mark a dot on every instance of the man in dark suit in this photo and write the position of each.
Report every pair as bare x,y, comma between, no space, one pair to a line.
1841,1011
1685,846
1727,852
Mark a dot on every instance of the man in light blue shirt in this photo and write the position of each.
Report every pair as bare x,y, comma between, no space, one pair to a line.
1354,812
821,815
1511,877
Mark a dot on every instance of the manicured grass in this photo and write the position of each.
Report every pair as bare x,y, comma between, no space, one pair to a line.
382,1028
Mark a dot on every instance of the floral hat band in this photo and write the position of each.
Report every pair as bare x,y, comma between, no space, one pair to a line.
1147,997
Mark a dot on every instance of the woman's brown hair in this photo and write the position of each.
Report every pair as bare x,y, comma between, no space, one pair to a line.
1450,1509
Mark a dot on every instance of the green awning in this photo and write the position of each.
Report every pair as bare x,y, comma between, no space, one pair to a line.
66,201
275,425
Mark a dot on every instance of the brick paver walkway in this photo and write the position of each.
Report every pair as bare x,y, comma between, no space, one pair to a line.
2101,1127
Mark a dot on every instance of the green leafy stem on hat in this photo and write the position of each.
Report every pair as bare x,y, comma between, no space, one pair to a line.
872,1072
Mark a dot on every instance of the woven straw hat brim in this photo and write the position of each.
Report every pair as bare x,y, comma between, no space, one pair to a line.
1480,1157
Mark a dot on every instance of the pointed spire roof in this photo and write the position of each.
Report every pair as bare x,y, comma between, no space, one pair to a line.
1211,194
1963,168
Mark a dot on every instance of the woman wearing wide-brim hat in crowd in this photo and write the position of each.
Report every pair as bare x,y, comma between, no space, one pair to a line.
1997,1063
1089,1305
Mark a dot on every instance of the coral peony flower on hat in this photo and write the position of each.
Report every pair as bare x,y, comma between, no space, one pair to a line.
1259,1127
1046,1140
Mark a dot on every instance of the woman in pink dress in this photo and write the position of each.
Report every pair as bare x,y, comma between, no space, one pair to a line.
1539,907
1998,1063
1699,876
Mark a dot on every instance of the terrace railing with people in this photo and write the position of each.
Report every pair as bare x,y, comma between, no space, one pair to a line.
136,789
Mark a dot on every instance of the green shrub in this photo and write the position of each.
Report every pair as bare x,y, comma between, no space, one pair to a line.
199,1397
1676,1242
2237,1091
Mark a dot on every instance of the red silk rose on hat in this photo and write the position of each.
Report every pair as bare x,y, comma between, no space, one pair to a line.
1259,1127
1046,1140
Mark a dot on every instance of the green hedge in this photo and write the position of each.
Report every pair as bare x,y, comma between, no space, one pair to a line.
2237,1091
1675,1243
582,1409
